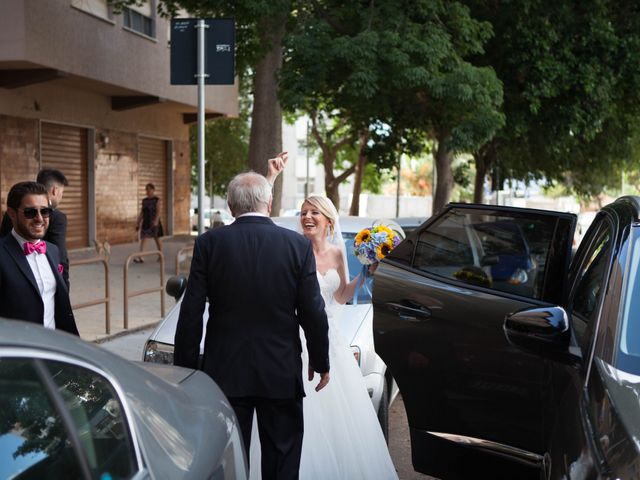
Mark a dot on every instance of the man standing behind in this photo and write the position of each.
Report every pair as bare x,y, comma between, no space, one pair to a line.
31,286
54,181
261,283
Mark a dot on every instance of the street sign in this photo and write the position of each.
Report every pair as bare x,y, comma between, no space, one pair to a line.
219,51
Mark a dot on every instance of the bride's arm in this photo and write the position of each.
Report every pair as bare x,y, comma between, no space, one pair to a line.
347,289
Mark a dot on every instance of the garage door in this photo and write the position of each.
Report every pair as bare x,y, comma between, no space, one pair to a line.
65,148
152,168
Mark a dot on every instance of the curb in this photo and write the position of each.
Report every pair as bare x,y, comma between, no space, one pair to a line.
124,333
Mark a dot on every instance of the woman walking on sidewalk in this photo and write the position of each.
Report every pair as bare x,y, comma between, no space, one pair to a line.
148,224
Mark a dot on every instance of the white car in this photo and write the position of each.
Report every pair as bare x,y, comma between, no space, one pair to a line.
213,217
355,321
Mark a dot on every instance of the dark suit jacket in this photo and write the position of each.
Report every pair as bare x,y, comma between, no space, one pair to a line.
56,234
262,285
19,295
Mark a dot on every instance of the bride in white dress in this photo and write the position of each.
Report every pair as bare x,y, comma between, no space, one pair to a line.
342,436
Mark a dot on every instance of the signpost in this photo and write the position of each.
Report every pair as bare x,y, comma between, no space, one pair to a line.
202,53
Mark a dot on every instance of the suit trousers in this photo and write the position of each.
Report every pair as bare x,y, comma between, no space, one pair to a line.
281,428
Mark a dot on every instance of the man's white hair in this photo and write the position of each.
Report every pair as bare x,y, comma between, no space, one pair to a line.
249,192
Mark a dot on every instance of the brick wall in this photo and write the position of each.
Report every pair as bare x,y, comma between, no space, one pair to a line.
18,153
116,187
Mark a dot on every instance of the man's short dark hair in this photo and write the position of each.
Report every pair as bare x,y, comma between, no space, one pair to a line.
20,190
50,176
150,185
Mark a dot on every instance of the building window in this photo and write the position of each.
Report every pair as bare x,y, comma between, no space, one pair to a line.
139,19
98,8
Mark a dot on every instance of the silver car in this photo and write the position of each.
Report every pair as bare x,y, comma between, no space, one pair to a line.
355,323
71,409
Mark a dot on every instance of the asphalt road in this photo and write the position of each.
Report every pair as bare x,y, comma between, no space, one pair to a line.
130,347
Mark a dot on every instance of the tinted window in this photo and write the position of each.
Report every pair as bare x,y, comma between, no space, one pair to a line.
498,250
591,277
36,442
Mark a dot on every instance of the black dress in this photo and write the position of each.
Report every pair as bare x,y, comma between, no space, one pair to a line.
149,209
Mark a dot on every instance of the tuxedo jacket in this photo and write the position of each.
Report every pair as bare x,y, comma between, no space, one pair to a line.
56,234
261,283
19,295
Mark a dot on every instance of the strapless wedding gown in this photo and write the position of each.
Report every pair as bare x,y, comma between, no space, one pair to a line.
342,435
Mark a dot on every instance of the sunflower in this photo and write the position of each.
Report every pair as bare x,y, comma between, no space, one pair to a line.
383,228
363,236
383,250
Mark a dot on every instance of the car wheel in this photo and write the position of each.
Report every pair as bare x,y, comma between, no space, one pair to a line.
383,412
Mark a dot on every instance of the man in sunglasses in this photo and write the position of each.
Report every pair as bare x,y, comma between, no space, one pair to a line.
54,181
31,284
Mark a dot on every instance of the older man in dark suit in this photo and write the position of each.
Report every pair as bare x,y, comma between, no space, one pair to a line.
55,183
261,283
31,284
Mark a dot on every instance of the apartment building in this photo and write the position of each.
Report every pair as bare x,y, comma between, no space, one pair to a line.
87,91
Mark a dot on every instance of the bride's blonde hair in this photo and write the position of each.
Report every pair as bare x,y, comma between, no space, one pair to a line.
326,207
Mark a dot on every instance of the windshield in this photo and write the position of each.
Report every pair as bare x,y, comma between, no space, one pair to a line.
629,343
355,267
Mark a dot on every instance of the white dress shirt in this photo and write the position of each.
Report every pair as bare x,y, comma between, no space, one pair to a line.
45,279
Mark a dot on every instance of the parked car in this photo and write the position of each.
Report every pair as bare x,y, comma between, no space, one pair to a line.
539,382
213,217
355,322
71,409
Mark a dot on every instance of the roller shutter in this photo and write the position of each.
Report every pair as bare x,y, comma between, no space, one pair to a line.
65,148
152,168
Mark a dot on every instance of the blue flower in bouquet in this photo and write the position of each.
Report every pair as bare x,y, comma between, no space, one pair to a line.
373,244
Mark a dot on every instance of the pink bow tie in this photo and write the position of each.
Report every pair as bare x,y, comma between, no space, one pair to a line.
29,248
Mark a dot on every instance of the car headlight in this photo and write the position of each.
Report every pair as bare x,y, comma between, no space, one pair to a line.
356,353
157,352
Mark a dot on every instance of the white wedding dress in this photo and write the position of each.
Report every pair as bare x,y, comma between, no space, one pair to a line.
342,436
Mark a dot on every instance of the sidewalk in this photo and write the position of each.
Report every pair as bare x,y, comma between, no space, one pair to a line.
88,284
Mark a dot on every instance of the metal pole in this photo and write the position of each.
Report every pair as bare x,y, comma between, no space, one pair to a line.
306,183
201,75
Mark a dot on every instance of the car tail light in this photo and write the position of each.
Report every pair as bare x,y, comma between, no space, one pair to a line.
157,352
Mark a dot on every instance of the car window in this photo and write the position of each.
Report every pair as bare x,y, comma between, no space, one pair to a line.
628,358
493,249
355,267
590,282
35,441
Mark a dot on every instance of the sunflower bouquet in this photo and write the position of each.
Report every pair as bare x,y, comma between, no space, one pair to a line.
374,243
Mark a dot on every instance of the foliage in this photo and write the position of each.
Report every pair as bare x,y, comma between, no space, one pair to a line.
571,77
393,63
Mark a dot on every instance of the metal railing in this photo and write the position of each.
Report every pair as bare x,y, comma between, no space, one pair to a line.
182,253
128,294
106,300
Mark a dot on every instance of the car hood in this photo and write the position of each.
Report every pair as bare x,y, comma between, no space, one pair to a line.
623,390
349,318
180,416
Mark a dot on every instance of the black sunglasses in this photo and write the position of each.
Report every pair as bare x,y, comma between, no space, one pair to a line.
31,212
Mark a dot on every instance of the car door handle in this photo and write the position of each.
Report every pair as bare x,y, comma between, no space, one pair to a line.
409,314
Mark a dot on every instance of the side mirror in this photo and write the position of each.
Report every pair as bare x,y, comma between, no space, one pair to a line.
176,286
544,328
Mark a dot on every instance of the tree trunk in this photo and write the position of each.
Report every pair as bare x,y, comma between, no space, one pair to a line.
331,188
484,158
444,177
266,118
354,210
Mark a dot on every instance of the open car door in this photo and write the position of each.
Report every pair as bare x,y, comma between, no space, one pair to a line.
441,299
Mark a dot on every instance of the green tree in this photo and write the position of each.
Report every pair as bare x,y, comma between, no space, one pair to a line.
396,63
570,74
